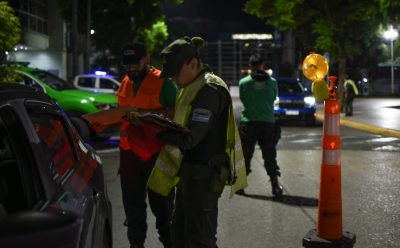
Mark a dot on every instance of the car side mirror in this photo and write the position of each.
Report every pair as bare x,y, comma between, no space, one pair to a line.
27,229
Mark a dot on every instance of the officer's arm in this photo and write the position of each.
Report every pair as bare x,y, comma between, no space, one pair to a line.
206,108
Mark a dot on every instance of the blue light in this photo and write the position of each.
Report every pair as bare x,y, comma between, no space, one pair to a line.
100,73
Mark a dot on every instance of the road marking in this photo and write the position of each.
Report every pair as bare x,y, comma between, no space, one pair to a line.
387,148
369,128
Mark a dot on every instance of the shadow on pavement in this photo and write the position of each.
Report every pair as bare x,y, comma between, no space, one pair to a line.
286,199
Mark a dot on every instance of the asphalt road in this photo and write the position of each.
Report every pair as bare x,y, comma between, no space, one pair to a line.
370,195
297,136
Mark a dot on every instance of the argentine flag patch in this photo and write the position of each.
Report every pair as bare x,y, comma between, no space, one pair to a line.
201,115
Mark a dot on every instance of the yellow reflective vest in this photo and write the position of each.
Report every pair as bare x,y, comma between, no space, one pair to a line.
165,172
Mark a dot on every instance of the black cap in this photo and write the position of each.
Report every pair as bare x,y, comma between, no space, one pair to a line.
132,54
177,53
256,60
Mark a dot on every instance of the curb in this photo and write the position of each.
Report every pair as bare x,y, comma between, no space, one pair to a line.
365,127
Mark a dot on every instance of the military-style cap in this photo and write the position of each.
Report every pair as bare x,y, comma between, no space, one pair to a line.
177,53
132,54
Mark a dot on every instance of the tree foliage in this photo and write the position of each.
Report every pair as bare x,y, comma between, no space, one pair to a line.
343,28
120,22
9,37
10,28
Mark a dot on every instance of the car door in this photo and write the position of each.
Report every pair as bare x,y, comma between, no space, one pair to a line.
107,85
23,219
66,167
21,186
86,83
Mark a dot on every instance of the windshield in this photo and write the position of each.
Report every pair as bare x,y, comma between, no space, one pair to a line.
289,86
52,80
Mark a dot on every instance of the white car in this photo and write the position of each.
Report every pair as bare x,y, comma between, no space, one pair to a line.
97,82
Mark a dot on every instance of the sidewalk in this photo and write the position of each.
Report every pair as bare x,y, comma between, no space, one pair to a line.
374,115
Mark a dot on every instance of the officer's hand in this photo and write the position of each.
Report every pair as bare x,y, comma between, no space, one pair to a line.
133,118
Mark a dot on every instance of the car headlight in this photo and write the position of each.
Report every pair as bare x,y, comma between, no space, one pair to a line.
105,106
309,101
276,103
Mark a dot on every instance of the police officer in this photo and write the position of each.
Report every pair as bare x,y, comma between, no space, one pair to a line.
350,90
143,89
258,92
204,106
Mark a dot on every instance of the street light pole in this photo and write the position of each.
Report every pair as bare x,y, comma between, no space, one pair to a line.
392,35
392,64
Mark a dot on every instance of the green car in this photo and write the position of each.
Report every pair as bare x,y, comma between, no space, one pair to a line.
73,101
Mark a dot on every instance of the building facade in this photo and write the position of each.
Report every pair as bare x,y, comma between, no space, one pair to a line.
43,36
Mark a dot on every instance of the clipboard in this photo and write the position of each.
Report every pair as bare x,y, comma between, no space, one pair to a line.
102,120
162,121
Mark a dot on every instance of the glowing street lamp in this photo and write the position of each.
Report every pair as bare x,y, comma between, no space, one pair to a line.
391,34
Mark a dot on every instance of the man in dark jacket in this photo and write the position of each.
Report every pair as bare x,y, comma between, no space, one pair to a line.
258,92
203,106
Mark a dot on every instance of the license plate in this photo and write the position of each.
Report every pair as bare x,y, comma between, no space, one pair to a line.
292,112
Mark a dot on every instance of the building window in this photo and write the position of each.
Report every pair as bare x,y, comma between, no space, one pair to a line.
32,14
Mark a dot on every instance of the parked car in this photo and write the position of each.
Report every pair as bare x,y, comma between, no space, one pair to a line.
74,102
52,187
294,102
97,82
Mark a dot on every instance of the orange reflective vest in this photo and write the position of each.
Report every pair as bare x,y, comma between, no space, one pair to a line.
147,97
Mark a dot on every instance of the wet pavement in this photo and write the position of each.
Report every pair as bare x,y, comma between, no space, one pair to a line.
375,115
370,190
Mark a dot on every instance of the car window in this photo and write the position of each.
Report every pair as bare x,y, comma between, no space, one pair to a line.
52,80
55,142
30,82
106,83
87,82
285,86
10,178
20,184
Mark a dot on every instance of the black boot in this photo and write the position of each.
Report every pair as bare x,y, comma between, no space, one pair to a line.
277,189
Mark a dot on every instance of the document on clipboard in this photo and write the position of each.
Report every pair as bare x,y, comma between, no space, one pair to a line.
102,120
162,121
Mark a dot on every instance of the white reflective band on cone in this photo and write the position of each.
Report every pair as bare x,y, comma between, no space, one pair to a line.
331,157
332,124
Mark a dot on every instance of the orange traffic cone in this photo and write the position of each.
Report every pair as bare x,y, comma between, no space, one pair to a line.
329,229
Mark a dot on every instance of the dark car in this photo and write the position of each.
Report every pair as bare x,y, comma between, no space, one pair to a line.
294,102
52,188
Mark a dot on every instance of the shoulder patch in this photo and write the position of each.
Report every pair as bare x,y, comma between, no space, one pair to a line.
201,115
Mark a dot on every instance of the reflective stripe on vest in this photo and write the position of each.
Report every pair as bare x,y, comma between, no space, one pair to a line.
170,160
238,178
